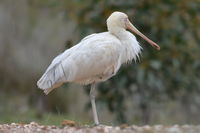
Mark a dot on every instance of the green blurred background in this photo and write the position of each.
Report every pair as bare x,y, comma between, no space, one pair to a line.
162,88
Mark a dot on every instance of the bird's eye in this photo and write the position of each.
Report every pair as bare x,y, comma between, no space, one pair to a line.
125,20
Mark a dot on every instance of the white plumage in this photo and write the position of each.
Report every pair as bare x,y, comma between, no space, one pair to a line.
97,57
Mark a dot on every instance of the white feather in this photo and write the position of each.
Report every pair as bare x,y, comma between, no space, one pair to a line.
96,58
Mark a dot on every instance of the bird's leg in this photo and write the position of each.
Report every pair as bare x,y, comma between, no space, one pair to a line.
92,99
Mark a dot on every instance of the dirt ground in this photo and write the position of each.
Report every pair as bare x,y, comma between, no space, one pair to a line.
70,127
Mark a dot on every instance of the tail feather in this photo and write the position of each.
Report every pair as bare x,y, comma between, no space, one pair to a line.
52,78
47,91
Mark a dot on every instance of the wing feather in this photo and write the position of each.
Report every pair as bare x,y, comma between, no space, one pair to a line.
92,57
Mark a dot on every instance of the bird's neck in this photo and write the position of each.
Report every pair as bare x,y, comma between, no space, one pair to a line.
117,31
130,46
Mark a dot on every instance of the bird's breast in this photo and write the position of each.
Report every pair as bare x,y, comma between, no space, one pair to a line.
130,47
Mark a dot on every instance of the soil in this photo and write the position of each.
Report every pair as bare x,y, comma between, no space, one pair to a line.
70,127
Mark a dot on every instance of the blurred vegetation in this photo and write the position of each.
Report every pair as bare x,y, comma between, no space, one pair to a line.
172,74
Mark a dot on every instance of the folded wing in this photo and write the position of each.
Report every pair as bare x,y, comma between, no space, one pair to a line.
92,57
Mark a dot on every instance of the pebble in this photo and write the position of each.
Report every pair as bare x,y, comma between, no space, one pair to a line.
34,127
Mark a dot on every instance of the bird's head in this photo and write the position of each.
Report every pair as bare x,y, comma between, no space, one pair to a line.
119,20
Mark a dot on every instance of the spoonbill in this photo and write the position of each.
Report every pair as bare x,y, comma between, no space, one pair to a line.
96,58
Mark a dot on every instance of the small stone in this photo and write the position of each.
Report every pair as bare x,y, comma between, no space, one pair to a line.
53,127
68,123
33,124
123,126
158,127
147,127
13,124
185,126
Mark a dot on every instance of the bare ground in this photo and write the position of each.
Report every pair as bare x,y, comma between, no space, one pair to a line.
72,128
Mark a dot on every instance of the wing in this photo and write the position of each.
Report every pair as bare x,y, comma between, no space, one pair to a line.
93,56
66,53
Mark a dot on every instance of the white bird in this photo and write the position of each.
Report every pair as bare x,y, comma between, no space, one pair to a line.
95,58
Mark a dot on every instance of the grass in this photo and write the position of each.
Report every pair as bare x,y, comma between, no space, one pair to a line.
31,115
